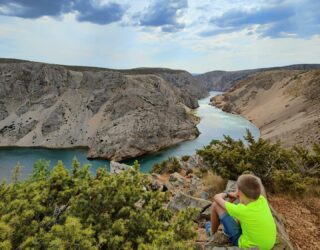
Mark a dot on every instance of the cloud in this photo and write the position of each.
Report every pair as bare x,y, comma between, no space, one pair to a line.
164,14
100,14
90,11
289,19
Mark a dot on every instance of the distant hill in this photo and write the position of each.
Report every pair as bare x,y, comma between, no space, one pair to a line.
222,80
284,104
142,70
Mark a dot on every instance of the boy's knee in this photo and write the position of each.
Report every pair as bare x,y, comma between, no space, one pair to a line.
219,210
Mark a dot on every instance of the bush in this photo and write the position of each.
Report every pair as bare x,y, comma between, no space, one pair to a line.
185,157
295,169
168,166
59,209
213,184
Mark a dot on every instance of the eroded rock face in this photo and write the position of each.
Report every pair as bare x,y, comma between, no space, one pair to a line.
3,111
118,115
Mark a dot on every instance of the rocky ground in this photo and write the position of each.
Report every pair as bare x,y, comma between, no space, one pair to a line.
283,104
116,114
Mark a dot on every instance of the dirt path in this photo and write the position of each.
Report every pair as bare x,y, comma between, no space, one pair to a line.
302,220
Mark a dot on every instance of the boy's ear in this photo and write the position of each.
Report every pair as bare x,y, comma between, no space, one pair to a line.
238,192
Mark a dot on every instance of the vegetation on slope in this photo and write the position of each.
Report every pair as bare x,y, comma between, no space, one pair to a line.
59,209
294,170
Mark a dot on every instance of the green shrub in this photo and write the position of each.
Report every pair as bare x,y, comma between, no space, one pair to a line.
167,166
185,157
73,209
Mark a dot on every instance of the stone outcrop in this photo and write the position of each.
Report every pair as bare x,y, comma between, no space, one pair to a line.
116,167
116,114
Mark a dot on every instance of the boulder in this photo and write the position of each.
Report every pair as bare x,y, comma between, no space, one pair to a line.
195,161
176,182
231,186
116,167
156,181
195,184
204,195
182,201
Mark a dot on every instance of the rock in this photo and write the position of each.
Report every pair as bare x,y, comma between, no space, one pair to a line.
176,183
196,181
116,167
192,162
176,177
182,201
231,186
157,182
54,121
195,185
204,195
26,128
156,185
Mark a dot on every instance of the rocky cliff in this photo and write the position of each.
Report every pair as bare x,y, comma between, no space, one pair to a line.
284,104
223,80
117,114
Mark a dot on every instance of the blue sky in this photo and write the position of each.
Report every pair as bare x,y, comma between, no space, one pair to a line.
195,35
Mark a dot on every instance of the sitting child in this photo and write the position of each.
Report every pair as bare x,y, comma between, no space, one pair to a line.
249,223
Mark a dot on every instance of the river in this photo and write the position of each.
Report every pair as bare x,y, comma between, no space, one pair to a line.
213,125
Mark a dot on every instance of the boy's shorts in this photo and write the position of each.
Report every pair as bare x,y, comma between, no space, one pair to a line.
231,228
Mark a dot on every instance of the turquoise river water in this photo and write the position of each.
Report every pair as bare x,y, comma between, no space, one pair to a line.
213,125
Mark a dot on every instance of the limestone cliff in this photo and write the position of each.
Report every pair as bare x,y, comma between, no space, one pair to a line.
284,104
117,114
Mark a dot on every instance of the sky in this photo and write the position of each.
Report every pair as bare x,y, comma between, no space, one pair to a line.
194,35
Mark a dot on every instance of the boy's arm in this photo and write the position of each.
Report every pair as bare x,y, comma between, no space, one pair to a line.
219,199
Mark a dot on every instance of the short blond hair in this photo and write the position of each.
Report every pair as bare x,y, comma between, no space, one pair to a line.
249,185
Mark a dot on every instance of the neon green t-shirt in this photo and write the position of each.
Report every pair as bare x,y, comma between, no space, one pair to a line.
257,224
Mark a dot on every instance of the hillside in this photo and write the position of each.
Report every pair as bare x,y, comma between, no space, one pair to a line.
223,80
284,104
117,114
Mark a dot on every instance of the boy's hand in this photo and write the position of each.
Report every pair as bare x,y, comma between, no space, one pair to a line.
232,196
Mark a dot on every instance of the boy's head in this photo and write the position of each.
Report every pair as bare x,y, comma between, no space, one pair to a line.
249,185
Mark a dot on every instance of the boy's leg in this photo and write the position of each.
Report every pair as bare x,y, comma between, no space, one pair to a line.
231,227
216,212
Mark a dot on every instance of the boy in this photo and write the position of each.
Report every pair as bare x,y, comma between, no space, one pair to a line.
256,227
